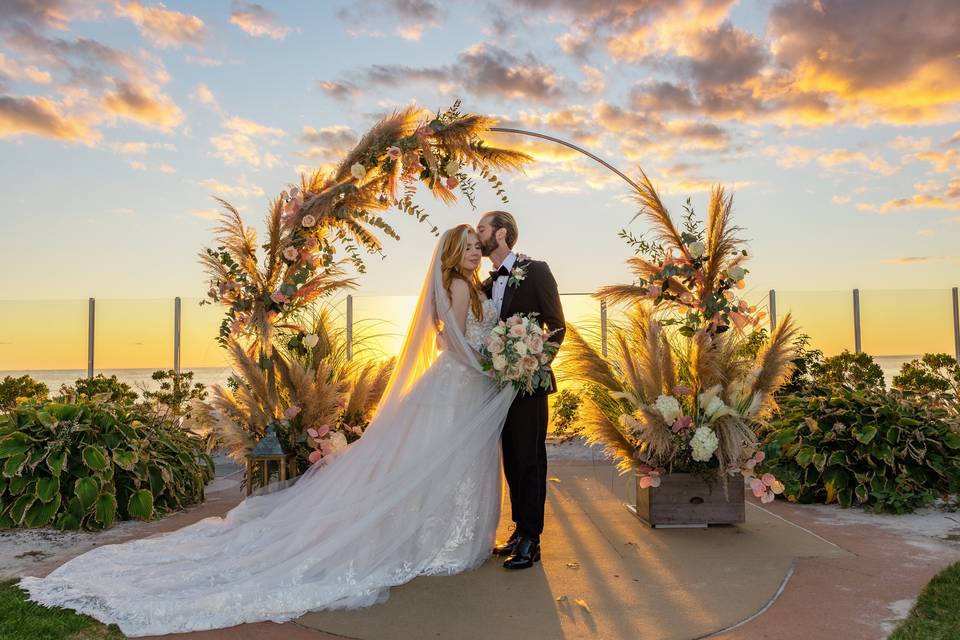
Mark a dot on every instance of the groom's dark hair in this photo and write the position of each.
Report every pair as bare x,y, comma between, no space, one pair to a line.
504,220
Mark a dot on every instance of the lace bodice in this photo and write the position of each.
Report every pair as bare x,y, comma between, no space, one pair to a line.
477,329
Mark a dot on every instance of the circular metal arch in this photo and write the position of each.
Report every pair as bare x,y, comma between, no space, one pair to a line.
543,136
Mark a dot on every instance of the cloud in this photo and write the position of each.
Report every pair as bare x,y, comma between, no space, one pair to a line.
840,157
841,199
139,148
342,90
328,142
409,18
908,260
920,201
12,69
942,161
574,122
206,97
164,27
909,143
251,128
242,189
257,21
206,214
239,144
790,156
642,134
143,104
594,81
36,115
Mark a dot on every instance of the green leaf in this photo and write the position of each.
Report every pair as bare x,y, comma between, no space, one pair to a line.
125,459
13,465
47,489
17,484
820,461
68,522
861,492
95,457
56,460
106,509
805,456
86,489
20,506
140,504
15,443
952,440
865,434
41,513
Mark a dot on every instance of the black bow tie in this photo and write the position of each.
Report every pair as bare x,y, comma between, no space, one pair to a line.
502,271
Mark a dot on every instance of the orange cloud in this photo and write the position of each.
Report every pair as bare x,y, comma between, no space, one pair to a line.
36,115
142,104
257,21
242,189
838,157
164,27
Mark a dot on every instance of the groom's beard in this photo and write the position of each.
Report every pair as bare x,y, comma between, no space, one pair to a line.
487,247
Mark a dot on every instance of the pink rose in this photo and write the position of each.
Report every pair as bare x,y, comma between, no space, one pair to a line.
319,432
681,423
517,331
758,488
686,297
394,152
278,297
529,363
535,344
314,457
495,345
452,182
759,456
653,291
291,412
514,320
291,253
768,479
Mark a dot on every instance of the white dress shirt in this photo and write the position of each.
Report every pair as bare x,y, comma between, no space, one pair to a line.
500,284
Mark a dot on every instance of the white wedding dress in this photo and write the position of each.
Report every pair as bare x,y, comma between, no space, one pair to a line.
418,494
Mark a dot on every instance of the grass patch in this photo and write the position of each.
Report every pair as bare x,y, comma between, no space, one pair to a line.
936,615
21,619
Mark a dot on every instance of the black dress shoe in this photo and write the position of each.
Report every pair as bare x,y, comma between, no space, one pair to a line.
525,553
506,548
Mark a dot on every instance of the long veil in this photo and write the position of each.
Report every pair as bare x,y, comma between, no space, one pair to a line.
418,493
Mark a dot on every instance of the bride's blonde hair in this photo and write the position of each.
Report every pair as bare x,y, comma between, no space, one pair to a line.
451,256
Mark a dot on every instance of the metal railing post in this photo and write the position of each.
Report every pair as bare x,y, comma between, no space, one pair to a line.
91,308
603,327
176,335
349,327
773,310
856,320
956,324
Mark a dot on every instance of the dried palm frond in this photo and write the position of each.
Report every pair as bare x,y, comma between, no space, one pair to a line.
598,421
722,241
656,435
238,240
398,124
498,158
775,362
656,212
582,362
618,293
706,363
274,240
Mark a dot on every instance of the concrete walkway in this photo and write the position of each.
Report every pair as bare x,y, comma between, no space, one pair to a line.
790,572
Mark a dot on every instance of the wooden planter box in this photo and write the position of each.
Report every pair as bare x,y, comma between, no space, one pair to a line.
685,500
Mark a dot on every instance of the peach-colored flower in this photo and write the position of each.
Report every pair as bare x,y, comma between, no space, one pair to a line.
759,456
517,331
686,297
514,320
757,486
529,363
291,253
768,479
314,456
271,315
291,412
729,295
278,297
739,320
319,432
652,479
741,284
495,345
452,182
535,344
544,358
308,221
653,291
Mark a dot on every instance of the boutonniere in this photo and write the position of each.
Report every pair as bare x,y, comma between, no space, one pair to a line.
517,275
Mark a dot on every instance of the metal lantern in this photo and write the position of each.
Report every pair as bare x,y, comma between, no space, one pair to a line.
269,450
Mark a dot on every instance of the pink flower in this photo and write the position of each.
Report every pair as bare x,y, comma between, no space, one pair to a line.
452,182
739,320
294,192
278,297
517,331
535,344
680,390
768,479
291,412
293,206
750,464
308,221
394,152
291,253
319,432
314,456
759,456
686,297
743,306
652,479
653,291
544,358
514,320
681,423
529,363
757,486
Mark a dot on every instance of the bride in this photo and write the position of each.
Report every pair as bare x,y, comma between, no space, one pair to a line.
418,494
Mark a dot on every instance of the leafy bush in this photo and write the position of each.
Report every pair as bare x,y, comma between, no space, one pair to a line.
175,393
23,387
881,449
566,410
936,375
87,464
856,369
119,391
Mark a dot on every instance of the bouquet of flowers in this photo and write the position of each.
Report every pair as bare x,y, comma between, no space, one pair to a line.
517,352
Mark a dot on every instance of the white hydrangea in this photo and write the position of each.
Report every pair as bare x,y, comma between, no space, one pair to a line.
669,408
703,443
358,171
697,249
737,273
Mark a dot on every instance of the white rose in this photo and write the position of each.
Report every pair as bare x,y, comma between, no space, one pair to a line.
358,171
520,348
499,362
291,253
308,221
452,167
736,273
703,443
337,441
311,340
669,408
697,249
495,345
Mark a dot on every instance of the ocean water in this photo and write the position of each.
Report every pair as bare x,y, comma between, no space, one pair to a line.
140,380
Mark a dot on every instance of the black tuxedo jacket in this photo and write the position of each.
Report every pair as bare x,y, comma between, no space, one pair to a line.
536,293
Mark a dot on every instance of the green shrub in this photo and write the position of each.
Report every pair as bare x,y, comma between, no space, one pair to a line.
883,449
566,409
855,369
23,387
175,393
87,464
119,391
936,375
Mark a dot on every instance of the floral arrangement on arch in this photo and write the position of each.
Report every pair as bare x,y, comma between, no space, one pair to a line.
681,390
291,371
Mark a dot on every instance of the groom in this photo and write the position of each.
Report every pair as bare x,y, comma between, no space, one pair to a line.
522,286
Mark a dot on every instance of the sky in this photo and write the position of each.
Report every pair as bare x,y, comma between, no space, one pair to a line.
835,123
